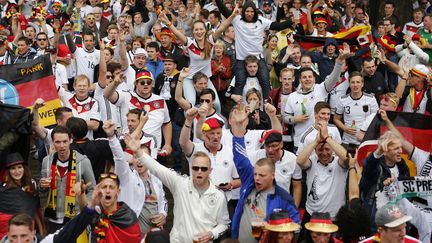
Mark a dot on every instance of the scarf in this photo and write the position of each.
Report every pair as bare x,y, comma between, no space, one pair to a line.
70,193
416,98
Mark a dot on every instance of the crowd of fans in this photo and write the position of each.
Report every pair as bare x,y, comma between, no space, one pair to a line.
225,105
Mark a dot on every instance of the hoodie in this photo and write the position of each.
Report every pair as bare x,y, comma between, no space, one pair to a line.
325,63
250,4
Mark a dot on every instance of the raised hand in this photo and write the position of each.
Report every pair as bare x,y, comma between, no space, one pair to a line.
109,128
184,73
345,52
132,143
191,113
270,109
38,103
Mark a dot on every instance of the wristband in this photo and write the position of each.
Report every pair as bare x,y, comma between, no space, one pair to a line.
187,126
352,168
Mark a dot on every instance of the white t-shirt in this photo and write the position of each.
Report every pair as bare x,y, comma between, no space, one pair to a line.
325,186
108,110
249,36
315,33
407,106
223,167
422,160
60,74
286,168
155,105
197,62
337,92
86,62
355,111
294,107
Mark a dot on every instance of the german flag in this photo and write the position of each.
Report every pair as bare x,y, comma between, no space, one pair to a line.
21,84
416,128
349,36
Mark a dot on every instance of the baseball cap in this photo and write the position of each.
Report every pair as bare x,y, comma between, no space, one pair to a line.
391,216
140,51
271,136
212,123
144,74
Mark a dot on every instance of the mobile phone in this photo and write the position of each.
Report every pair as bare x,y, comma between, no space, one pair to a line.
223,184
252,105
362,40
351,150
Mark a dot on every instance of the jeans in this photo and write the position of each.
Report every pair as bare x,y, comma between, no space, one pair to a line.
177,152
263,76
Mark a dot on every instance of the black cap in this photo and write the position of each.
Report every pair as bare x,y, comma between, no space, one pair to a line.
170,58
14,159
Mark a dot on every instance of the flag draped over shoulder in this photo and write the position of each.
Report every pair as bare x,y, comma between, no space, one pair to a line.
21,84
15,131
416,128
349,36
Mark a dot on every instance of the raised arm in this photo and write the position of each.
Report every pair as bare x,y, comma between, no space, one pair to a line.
164,19
333,77
102,65
122,50
183,103
303,157
39,130
407,146
70,43
310,25
225,23
223,9
184,140
337,148
110,90
271,112
353,182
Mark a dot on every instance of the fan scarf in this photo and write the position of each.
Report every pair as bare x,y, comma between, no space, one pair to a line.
70,193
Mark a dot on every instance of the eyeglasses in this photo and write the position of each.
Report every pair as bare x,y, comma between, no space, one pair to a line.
197,168
204,100
145,82
109,77
41,39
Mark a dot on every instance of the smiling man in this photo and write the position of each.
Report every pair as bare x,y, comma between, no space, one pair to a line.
385,162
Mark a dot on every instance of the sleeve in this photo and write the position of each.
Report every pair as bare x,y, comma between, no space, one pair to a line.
63,95
374,106
420,219
95,112
265,22
241,161
121,166
74,228
339,107
166,113
330,81
297,175
88,175
169,178
162,202
288,108
122,97
421,55
370,171
420,158
222,219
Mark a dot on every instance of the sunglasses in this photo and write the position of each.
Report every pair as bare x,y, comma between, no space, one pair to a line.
108,175
91,18
145,82
41,39
109,77
387,99
197,168
205,100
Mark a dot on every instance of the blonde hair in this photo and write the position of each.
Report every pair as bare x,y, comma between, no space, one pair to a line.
80,78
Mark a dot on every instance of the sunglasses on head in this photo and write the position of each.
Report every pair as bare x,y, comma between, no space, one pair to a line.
202,168
205,100
387,99
145,82
108,175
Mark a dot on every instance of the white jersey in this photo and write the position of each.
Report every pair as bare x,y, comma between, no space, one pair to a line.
286,168
315,33
154,105
108,110
325,186
197,62
87,109
223,167
249,36
251,137
251,83
296,102
60,74
355,112
86,62
337,92
422,160
129,84
411,28
310,135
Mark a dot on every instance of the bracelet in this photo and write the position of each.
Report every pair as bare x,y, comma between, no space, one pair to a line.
187,126
352,168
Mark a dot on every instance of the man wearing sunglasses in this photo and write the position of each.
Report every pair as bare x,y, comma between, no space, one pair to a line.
224,173
143,98
260,195
200,208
